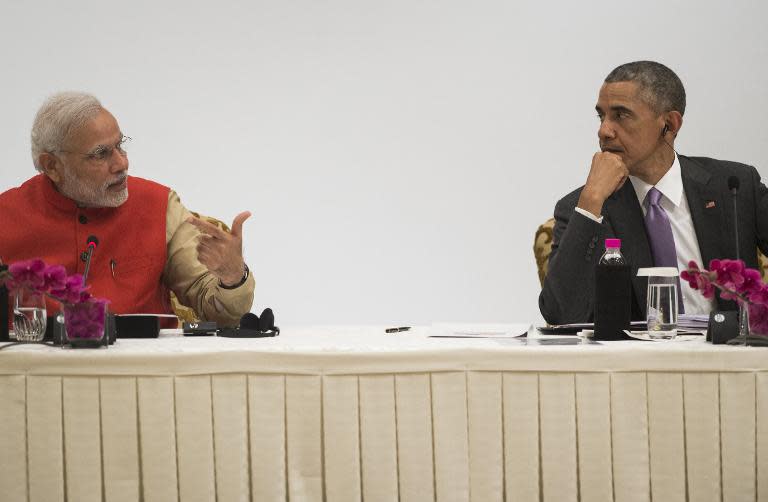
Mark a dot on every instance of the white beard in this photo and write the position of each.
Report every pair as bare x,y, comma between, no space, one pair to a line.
87,195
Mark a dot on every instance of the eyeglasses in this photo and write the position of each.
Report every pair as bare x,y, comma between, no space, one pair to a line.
103,153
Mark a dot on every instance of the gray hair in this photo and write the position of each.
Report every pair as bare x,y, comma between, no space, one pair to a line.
659,86
60,116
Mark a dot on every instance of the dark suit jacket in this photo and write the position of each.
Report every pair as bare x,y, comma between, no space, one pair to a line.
568,292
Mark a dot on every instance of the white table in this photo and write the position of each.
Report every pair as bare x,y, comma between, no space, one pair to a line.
353,413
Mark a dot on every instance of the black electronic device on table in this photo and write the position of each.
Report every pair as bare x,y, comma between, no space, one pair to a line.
200,328
723,326
137,326
253,326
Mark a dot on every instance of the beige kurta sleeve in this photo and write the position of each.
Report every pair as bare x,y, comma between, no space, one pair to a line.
191,281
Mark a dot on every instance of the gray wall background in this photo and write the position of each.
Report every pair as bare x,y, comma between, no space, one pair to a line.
397,156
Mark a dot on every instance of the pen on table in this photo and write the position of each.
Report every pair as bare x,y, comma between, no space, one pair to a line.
397,330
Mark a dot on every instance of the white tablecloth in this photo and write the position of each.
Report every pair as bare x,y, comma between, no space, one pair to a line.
353,413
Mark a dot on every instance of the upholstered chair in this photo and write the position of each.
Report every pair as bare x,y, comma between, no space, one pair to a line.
542,246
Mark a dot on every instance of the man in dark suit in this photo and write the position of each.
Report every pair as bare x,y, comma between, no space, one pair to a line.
641,107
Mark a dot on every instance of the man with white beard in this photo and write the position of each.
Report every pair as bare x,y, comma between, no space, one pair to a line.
149,243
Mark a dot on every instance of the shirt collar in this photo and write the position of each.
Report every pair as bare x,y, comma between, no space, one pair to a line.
670,185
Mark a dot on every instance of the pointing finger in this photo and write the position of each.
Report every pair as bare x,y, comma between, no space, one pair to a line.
206,227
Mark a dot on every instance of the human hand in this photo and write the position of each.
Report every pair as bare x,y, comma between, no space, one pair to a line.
222,252
607,175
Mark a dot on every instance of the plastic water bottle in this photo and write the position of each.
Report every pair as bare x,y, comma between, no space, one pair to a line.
612,255
613,293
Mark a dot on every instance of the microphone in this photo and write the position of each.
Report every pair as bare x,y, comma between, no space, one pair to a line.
733,186
92,242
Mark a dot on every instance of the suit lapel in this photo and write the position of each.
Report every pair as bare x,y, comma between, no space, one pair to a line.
623,211
706,205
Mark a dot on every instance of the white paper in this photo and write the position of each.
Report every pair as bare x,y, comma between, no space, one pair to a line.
453,330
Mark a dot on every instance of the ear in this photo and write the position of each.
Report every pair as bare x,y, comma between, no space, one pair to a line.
674,121
51,166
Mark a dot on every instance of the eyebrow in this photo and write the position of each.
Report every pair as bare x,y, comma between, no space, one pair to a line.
617,108
99,147
620,108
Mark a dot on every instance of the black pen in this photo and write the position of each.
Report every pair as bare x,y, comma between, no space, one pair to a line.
397,330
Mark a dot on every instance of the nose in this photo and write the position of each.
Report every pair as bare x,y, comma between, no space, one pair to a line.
119,162
605,131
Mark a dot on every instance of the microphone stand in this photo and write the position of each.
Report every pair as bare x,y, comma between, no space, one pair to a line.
89,255
743,309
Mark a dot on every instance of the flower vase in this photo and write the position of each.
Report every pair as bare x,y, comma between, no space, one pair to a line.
751,326
84,323
29,315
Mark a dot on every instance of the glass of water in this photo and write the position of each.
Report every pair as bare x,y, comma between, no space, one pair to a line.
29,316
662,303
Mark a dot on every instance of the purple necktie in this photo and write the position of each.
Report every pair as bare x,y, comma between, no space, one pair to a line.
660,236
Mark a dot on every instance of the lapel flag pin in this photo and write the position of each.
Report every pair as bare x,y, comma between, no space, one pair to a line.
710,204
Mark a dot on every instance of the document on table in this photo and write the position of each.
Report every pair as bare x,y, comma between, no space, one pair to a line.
147,315
572,329
693,321
454,330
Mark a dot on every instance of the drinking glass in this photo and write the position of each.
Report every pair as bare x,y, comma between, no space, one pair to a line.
29,316
662,307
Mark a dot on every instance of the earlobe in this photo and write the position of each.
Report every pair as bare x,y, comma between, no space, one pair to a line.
673,123
50,166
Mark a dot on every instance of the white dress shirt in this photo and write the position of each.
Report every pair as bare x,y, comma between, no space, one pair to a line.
675,203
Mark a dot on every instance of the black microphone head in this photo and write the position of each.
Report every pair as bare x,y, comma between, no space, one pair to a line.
249,321
92,240
733,184
267,321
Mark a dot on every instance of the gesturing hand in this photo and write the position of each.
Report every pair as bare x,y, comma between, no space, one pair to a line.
222,252
607,174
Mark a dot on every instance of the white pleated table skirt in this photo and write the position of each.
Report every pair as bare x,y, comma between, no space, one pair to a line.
78,426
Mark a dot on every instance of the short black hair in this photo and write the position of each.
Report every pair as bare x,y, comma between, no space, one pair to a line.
659,86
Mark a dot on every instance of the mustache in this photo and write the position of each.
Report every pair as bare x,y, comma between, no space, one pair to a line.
120,179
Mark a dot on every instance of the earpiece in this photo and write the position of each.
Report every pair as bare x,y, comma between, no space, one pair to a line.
267,320
254,326
249,321
663,138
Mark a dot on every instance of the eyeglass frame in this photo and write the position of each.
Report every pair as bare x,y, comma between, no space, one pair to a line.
103,152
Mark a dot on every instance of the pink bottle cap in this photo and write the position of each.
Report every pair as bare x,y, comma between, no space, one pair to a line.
612,243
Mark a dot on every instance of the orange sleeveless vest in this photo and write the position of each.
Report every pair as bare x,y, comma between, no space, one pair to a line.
36,221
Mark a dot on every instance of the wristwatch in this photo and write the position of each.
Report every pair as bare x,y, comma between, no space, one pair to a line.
246,273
